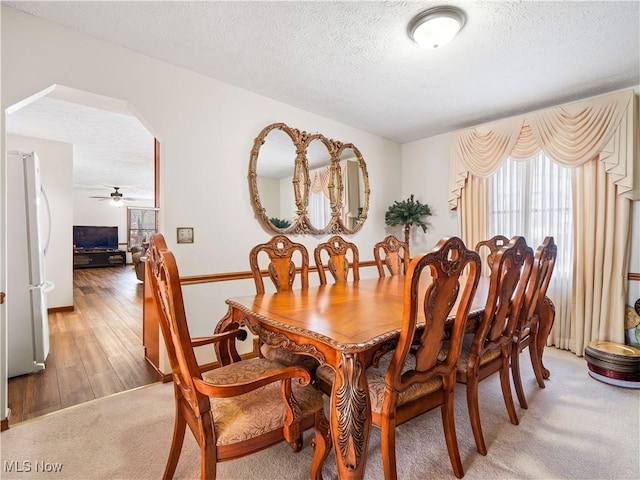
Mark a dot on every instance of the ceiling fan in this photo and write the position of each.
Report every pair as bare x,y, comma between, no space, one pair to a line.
115,198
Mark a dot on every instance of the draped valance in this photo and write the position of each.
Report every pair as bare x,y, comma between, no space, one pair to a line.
320,181
570,134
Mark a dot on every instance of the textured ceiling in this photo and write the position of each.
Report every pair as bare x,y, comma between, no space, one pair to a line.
110,149
353,61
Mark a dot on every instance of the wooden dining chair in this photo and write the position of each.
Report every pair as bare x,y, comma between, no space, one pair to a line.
411,381
493,244
396,256
281,268
527,329
239,408
287,266
338,263
488,350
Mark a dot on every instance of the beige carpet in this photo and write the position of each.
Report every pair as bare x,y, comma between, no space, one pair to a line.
576,428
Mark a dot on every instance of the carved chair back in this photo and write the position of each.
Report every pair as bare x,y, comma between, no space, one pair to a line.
543,263
490,248
282,267
489,350
507,285
396,256
548,253
531,331
167,291
447,263
339,265
454,272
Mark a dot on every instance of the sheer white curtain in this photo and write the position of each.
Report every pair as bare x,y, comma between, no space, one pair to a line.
532,198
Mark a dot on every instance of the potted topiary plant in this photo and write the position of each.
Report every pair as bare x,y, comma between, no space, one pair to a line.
408,213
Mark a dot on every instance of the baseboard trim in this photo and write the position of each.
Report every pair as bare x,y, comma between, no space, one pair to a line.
161,376
69,308
4,423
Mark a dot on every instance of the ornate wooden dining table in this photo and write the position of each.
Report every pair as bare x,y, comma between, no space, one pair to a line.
345,326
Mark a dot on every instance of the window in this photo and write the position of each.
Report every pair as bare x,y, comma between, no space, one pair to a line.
142,223
532,198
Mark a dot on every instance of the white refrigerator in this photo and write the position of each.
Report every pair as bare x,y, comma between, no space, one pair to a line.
27,288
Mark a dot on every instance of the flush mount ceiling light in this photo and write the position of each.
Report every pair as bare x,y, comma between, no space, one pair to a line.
436,26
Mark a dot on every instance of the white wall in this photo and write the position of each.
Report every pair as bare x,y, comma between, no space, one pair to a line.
425,173
56,168
206,131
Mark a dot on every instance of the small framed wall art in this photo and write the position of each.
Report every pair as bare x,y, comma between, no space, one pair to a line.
185,234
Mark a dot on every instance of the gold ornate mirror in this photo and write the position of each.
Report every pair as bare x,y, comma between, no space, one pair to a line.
307,183
321,198
277,182
355,188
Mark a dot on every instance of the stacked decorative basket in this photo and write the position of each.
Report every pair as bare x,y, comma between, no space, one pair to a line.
616,363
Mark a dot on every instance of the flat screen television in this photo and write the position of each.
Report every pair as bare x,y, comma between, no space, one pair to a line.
95,237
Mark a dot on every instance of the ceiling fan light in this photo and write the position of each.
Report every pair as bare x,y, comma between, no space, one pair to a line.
436,26
116,201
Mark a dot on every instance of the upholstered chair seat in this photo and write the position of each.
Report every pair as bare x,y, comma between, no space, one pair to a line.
376,376
286,358
463,362
240,418
375,379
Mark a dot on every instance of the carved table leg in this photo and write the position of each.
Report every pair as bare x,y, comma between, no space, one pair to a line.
546,314
350,417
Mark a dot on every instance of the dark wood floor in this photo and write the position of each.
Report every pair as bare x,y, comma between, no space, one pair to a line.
96,350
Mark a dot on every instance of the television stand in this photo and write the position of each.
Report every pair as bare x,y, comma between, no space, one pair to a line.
98,257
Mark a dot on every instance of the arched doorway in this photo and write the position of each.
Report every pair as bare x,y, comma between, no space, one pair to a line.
95,317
